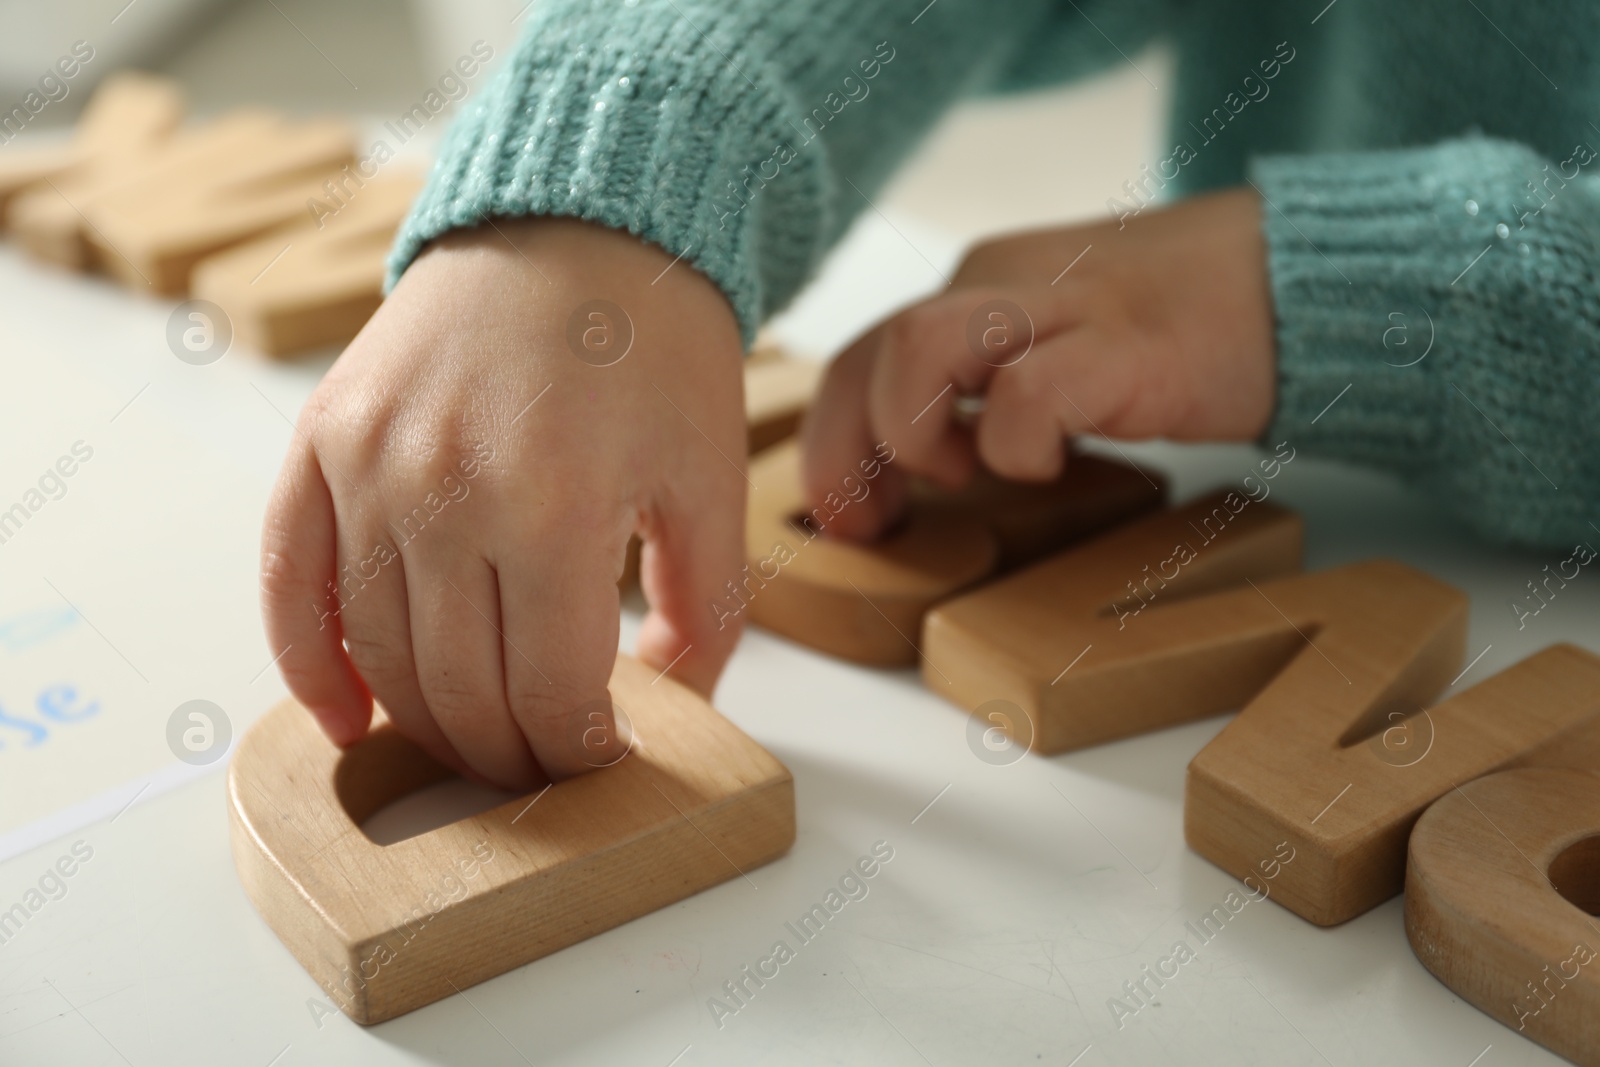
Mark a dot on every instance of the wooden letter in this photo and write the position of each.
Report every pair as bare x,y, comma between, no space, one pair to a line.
130,113
1030,521
207,189
1502,886
866,602
1097,643
1335,752
860,602
1315,762
310,283
386,929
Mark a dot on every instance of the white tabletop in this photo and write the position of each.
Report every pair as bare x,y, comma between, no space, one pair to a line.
996,934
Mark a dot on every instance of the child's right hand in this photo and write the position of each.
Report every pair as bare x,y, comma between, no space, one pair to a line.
476,540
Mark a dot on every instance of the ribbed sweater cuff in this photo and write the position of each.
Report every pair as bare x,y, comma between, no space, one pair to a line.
1363,249
646,135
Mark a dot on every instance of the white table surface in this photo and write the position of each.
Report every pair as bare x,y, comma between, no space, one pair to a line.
996,935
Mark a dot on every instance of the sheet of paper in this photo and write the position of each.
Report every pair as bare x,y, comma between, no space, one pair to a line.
127,587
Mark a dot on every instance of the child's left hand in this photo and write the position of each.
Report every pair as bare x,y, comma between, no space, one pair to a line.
1163,328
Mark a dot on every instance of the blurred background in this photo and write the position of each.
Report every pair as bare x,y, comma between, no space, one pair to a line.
371,60
233,52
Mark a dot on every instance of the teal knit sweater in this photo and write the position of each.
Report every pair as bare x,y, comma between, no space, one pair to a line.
1427,169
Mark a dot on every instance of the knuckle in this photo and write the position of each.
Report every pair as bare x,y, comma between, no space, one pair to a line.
316,415
907,338
554,728
539,712
380,657
285,584
282,568
527,700
453,696
1004,258
357,429
981,263
335,418
462,455
430,469
984,259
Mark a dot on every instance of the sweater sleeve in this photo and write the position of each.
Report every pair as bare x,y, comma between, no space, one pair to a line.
742,135
1438,315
